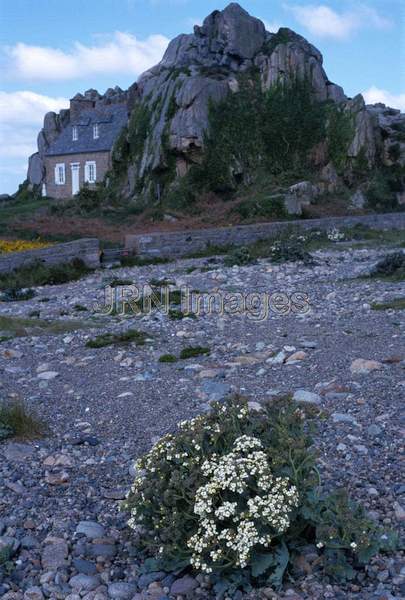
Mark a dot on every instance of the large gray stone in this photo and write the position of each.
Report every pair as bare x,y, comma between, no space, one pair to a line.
35,169
90,529
15,451
300,195
358,200
54,554
84,583
233,31
183,586
121,590
306,397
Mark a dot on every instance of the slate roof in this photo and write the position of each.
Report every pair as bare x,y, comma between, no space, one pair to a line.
111,119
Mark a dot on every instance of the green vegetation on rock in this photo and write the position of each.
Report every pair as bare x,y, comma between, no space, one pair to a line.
37,274
111,339
167,358
192,351
394,304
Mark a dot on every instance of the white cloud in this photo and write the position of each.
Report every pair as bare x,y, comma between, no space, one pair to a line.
27,107
21,117
272,26
120,53
375,94
323,21
191,21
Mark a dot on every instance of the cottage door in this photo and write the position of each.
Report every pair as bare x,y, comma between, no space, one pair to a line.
75,177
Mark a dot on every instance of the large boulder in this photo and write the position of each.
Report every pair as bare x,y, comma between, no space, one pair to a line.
365,138
292,56
35,169
191,119
358,200
51,128
204,67
233,32
300,195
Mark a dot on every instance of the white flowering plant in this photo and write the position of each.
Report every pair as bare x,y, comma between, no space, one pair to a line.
335,235
235,494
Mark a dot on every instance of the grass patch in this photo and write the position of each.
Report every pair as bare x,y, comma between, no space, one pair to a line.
21,327
6,562
16,294
80,308
37,274
391,267
19,209
17,421
167,358
210,250
177,315
137,261
394,304
120,282
175,296
192,351
154,282
239,256
111,339
364,233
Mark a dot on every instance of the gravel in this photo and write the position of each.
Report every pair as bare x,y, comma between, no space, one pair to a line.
59,504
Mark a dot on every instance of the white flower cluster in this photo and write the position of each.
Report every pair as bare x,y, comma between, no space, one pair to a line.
334,235
242,505
166,451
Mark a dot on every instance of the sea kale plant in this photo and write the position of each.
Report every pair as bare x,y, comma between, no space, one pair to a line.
236,494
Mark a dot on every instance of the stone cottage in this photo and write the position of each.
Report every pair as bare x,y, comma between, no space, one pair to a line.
74,146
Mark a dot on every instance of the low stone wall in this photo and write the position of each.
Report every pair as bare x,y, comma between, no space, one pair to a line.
186,242
88,250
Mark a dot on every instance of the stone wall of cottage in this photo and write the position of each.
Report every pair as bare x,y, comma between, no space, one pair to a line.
53,190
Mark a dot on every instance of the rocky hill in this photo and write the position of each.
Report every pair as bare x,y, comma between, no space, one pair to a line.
234,106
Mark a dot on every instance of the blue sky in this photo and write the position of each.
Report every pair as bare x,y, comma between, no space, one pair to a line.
49,51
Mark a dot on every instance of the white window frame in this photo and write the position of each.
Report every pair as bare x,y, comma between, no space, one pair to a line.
60,174
90,177
75,133
96,131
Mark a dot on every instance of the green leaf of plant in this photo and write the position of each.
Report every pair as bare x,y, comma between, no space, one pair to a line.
151,565
389,541
221,587
282,556
262,562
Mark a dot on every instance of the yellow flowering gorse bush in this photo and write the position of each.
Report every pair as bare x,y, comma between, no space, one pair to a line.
7,246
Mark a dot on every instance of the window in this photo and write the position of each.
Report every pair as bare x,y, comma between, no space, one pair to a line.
75,133
90,171
96,133
60,178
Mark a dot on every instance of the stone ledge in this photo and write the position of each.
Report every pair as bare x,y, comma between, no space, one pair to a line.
87,249
181,243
